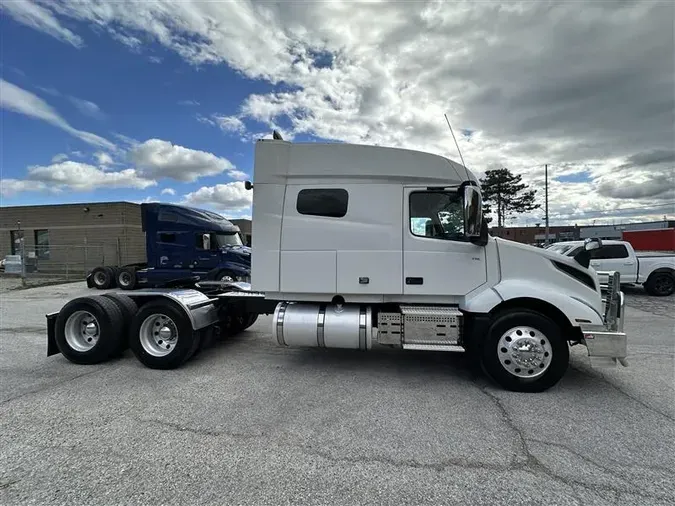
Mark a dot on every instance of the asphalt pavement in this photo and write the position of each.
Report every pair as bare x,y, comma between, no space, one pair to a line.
249,422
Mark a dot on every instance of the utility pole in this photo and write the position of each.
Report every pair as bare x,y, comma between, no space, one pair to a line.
546,191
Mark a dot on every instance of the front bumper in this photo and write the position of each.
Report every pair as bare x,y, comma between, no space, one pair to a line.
607,343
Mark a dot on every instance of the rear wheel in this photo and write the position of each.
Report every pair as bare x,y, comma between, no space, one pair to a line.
524,351
660,284
161,336
126,278
128,308
102,277
89,330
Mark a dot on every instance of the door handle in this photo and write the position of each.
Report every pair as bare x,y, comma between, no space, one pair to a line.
414,281
628,263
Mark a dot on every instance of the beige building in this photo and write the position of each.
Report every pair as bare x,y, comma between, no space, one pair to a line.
73,237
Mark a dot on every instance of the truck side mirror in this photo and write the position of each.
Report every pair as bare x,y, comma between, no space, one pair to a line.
473,212
592,243
583,257
206,241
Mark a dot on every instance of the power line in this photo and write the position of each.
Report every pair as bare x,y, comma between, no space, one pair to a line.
603,211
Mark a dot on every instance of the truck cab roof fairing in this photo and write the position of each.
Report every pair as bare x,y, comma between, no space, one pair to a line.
282,162
182,216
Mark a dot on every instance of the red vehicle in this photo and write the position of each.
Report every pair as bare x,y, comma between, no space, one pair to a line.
662,239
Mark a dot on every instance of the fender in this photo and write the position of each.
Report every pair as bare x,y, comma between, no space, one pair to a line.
575,310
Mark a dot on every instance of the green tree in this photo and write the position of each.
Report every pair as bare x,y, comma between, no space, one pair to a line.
506,194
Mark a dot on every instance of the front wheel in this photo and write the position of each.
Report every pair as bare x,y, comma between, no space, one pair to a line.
524,351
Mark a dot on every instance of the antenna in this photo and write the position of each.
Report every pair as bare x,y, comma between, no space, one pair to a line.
468,178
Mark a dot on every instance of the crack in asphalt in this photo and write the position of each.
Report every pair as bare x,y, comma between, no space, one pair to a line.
529,462
534,465
602,377
179,427
50,385
8,483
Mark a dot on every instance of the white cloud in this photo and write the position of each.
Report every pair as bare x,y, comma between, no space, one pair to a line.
35,16
155,59
87,108
188,102
224,197
229,123
168,191
11,187
506,72
157,158
21,101
103,158
79,176
59,158
133,43
74,176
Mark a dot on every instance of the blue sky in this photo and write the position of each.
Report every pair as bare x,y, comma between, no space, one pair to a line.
110,90
126,100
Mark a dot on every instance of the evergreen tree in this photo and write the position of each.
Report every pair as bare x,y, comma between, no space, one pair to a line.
507,194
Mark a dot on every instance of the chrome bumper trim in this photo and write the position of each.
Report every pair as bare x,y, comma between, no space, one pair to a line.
607,344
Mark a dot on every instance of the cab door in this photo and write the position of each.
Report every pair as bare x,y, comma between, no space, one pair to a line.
438,259
615,257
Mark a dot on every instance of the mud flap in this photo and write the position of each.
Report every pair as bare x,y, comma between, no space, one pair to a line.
52,349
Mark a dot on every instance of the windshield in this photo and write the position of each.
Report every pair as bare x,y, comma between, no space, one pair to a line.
222,240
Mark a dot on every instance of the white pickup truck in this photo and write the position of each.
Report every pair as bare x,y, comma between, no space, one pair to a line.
654,270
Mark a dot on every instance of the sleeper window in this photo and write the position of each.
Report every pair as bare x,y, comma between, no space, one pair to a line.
330,202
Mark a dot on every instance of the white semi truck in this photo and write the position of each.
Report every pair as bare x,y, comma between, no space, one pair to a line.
361,246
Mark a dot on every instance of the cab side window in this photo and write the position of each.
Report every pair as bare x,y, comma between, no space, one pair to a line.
610,251
437,214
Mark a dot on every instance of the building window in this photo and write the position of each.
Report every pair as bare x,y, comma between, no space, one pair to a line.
14,237
610,251
438,215
330,202
42,244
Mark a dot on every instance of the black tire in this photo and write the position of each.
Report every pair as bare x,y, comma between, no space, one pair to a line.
187,339
112,271
101,278
126,278
660,284
252,318
109,320
128,308
234,322
206,338
557,359
125,303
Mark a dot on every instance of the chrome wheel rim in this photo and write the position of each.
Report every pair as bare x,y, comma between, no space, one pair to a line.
525,352
227,278
99,278
158,335
125,279
81,331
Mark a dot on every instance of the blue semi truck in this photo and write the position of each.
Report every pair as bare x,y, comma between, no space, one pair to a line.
182,244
